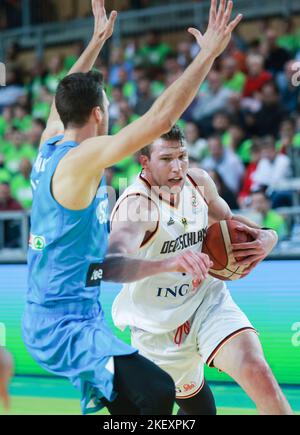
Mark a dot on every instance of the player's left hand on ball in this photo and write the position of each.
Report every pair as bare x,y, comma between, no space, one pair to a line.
250,253
196,264
6,372
104,27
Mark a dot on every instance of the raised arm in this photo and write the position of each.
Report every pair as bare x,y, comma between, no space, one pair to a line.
101,152
127,235
103,30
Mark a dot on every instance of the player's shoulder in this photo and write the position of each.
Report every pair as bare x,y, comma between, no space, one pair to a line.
138,192
199,176
135,202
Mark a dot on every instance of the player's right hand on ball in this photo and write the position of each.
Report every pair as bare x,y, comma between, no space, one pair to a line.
194,263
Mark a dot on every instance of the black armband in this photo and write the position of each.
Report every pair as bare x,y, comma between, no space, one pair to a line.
267,229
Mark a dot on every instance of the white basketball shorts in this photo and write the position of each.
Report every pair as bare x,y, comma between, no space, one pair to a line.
182,353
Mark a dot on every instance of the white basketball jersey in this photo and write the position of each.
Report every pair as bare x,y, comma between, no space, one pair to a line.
163,302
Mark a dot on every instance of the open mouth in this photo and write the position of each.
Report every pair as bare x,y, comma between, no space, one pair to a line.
176,180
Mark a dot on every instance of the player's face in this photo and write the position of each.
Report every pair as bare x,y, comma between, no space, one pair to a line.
168,165
260,203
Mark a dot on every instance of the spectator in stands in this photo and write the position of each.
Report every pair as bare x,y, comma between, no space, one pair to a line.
269,117
153,52
128,86
17,150
12,230
256,75
55,73
21,185
276,57
235,110
249,183
5,176
22,118
272,169
221,123
223,190
184,53
233,78
35,133
171,65
261,204
7,202
42,104
114,106
5,121
212,98
126,116
196,146
288,39
225,162
289,93
117,62
145,98
10,93
36,78
288,137
238,142
234,50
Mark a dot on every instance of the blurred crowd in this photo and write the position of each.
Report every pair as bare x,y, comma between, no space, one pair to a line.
243,127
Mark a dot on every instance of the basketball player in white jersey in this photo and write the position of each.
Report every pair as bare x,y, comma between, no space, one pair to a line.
176,322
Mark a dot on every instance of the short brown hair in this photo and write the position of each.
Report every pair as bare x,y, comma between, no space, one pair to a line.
175,134
77,95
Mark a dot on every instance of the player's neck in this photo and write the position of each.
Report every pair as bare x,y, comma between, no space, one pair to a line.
79,135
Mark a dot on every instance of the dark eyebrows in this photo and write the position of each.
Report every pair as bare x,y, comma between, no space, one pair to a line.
183,152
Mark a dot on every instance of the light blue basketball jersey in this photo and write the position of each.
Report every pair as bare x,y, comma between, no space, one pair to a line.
66,247
64,328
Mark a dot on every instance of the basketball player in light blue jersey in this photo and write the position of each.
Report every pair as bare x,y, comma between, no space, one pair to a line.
63,326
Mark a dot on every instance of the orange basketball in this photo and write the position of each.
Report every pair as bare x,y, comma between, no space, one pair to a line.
217,245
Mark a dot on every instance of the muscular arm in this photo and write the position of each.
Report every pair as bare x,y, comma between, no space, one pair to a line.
102,152
130,225
129,230
103,29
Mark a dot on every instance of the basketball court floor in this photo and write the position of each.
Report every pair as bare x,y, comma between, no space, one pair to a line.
51,396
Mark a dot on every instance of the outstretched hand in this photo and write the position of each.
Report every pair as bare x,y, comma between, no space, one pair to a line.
104,27
219,30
